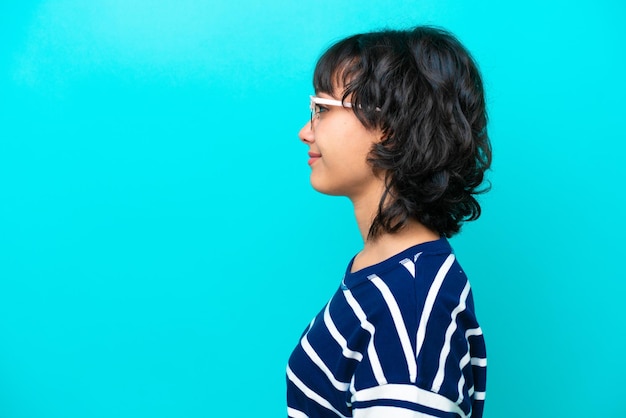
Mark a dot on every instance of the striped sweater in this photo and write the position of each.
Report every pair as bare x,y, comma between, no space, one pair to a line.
398,339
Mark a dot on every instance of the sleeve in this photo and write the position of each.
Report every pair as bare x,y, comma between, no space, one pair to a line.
428,364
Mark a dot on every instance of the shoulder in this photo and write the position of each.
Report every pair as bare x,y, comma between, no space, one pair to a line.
425,332
413,279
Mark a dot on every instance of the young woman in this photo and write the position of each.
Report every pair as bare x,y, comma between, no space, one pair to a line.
398,125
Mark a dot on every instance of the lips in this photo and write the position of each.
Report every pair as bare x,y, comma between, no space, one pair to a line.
313,157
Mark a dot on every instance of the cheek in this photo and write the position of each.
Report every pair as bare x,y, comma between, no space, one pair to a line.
357,153
346,158
343,175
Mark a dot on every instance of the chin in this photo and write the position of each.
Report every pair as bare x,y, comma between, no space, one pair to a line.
325,188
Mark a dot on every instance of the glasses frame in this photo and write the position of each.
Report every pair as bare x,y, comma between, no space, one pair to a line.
316,101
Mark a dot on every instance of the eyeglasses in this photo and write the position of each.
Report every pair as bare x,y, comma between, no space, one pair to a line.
317,101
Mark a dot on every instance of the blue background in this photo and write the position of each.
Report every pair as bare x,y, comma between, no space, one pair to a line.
161,249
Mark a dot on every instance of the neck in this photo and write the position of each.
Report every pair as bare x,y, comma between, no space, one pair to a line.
386,244
365,210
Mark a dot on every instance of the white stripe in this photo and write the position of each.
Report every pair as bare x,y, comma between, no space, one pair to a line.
388,411
445,351
464,362
479,396
294,413
310,393
347,353
403,334
480,362
416,257
408,393
366,325
352,390
430,300
342,386
409,265
473,332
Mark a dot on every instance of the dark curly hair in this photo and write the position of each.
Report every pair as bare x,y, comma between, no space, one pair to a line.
423,90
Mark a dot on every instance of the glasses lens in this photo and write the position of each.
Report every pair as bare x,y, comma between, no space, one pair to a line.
315,109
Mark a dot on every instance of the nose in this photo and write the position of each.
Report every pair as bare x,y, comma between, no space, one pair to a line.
306,134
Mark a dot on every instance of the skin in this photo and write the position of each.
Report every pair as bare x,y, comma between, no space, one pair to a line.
339,145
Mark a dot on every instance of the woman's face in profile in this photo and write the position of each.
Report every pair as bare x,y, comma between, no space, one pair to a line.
338,148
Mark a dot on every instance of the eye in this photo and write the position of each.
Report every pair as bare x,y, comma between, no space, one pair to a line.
320,109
